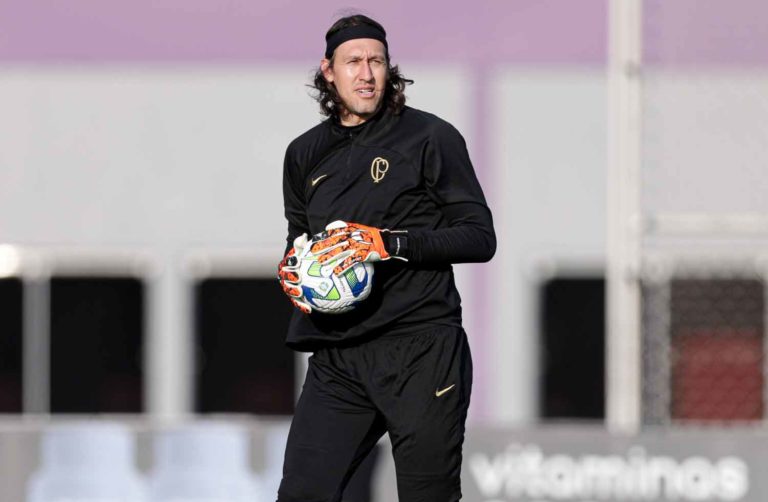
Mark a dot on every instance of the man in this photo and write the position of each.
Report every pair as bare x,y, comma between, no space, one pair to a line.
400,362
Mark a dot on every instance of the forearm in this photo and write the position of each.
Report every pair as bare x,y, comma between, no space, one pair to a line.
468,238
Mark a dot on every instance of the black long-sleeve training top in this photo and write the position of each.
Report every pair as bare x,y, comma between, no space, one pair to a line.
411,172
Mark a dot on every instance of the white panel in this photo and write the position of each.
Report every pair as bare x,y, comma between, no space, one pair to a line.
441,90
705,142
549,156
118,156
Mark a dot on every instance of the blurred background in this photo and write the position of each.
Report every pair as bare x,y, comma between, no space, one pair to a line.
618,335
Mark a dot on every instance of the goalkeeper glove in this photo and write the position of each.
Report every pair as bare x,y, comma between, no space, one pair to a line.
349,243
288,274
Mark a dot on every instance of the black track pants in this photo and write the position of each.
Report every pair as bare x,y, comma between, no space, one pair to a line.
416,387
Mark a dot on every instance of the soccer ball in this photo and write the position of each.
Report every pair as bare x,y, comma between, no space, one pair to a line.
332,294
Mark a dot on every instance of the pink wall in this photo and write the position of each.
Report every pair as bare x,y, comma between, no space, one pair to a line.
706,33
524,31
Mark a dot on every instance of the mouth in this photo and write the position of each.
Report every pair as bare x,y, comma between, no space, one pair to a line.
365,92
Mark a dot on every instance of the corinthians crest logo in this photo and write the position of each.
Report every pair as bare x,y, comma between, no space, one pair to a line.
379,168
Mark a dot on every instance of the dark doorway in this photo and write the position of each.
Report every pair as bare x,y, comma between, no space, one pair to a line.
573,348
97,339
243,365
11,326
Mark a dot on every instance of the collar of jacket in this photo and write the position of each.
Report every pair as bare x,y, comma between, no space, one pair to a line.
354,131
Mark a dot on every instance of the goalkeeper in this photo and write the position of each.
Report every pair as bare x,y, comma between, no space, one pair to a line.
397,187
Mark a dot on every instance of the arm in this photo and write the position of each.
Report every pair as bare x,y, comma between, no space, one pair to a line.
468,235
468,238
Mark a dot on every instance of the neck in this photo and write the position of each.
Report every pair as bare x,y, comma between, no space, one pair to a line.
349,119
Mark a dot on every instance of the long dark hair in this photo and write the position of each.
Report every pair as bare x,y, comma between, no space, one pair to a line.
326,94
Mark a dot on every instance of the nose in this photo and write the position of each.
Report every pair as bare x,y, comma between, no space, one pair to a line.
365,71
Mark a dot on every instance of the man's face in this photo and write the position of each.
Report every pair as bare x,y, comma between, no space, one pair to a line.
359,73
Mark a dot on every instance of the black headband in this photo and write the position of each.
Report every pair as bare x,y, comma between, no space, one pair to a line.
351,33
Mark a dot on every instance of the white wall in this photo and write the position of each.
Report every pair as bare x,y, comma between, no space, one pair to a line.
705,141
549,154
158,157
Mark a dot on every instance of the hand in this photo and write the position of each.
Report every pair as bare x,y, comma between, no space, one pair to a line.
288,274
346,244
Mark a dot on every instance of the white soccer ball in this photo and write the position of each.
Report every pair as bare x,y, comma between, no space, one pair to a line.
331,294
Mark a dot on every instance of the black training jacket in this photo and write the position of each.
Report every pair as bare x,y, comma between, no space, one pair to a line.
411,172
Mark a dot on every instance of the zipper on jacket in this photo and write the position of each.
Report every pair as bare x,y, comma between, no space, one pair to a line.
349,158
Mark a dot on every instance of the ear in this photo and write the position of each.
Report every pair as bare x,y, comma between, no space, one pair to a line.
327,69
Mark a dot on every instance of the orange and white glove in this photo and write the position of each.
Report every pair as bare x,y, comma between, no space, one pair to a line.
349,243
288,274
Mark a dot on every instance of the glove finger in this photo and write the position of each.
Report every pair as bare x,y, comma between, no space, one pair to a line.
361,231
293,284
289,269
304,307
335,254
288,275
359,240
299,243
329,267
360,246
329,233
338,224
338,234
363,252
294,291
289,263
322,245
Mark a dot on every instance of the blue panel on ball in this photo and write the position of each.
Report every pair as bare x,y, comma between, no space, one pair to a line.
308,294
360,286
